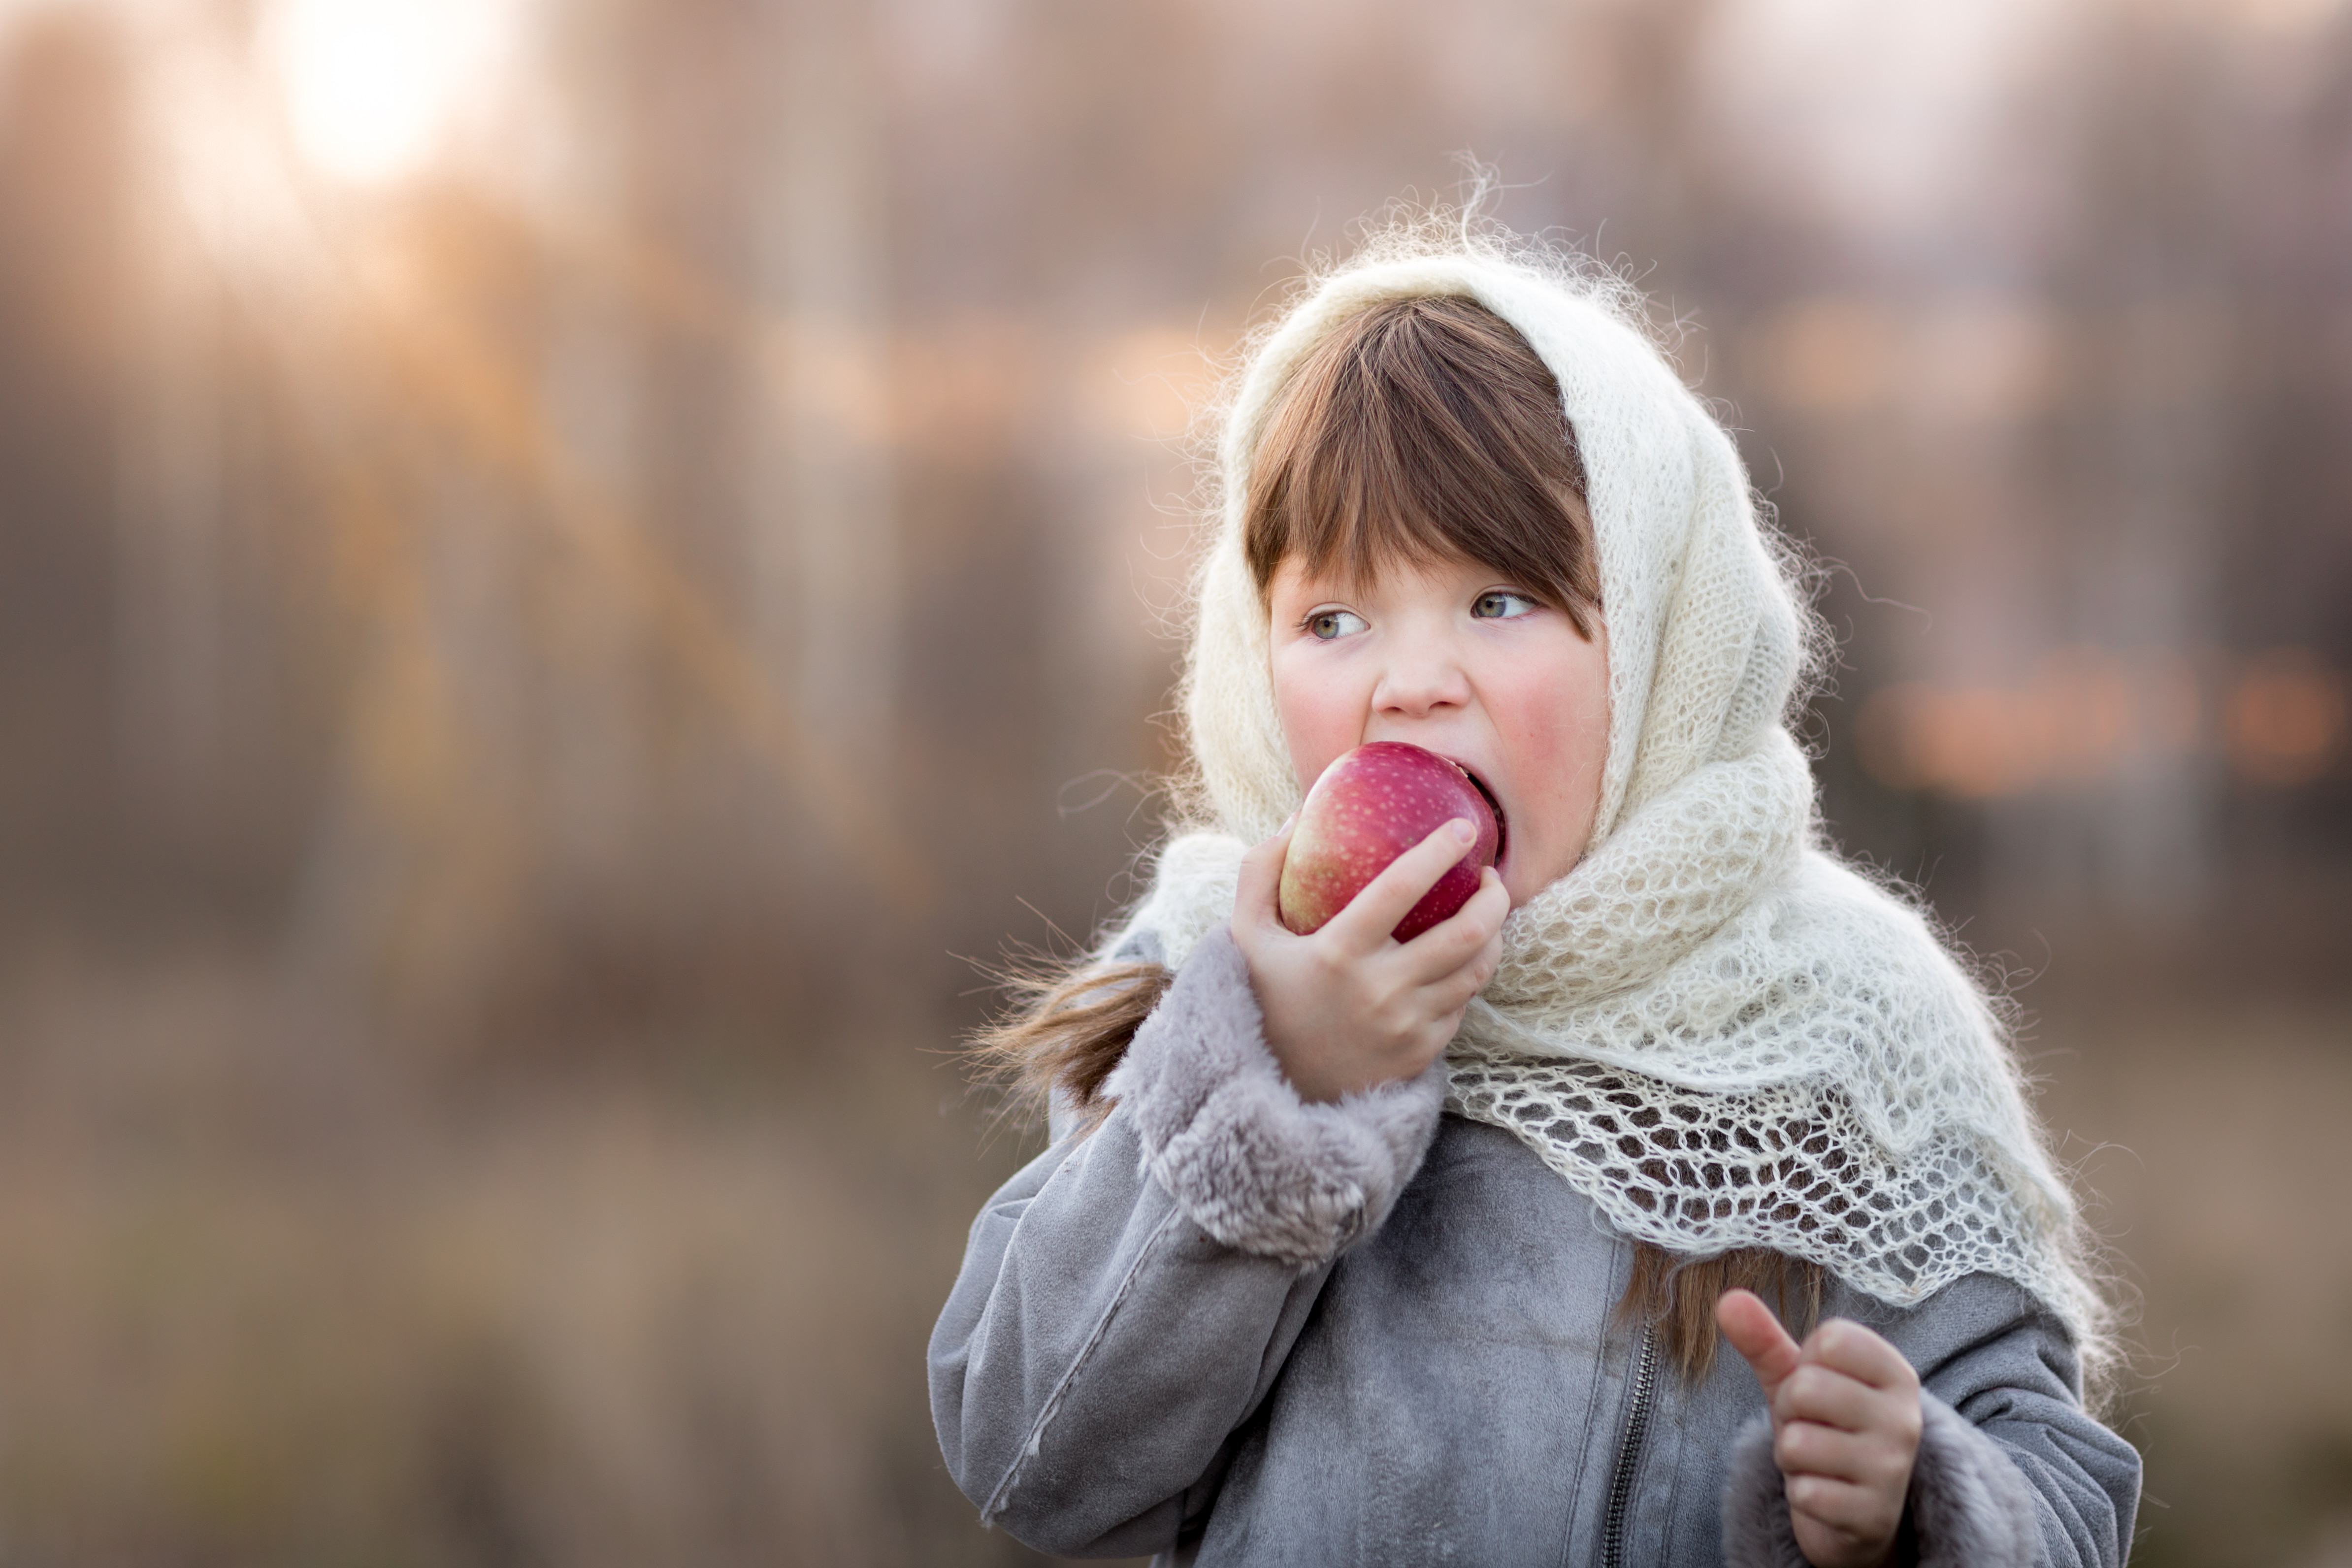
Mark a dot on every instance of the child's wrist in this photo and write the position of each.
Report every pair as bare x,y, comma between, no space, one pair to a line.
1314,1071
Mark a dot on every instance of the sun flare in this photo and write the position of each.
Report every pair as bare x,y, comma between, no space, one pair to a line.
375,88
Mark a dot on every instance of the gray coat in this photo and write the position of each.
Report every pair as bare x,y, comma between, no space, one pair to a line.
1232,1328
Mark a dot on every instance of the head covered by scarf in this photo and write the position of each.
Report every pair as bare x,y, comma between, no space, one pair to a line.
1711,1027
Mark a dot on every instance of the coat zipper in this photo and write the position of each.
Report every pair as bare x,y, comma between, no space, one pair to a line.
1629,1458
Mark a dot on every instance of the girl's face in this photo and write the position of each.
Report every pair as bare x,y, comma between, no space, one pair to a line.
1468,666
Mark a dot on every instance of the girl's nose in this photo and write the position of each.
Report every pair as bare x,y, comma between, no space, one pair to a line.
1421,679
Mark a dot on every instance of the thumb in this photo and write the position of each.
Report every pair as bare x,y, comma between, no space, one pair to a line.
1758,1337
1261,880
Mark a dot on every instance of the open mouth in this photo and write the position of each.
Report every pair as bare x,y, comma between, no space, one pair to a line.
1494,803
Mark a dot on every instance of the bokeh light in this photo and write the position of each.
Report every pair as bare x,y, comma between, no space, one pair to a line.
373,89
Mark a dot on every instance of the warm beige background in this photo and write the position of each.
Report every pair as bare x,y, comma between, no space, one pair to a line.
570,569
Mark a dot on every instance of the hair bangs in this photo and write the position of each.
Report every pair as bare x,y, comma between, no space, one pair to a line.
1425,430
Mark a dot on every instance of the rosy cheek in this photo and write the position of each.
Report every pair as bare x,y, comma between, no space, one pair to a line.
1558,742
1317,721
1550,738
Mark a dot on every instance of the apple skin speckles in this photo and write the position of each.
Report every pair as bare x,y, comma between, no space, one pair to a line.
1369,807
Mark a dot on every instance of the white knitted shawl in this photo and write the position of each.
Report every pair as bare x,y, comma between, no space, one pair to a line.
1712,1027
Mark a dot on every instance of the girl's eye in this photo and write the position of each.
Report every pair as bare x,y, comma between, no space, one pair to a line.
1501,605
1325,624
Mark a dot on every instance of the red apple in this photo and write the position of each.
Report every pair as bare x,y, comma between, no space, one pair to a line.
1369,807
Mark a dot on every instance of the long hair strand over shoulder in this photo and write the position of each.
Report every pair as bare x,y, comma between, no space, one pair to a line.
1068,1032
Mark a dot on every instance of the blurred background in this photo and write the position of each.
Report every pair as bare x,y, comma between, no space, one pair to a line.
573,571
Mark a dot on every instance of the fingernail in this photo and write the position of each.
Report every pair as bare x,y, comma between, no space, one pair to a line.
1462,832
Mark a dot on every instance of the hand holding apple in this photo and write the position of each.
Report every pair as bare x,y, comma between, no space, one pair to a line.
1348,1006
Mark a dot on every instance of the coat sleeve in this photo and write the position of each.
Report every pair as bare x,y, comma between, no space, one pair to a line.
1128,1299
2012,1471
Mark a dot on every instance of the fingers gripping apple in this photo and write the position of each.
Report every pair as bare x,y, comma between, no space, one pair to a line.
1371,805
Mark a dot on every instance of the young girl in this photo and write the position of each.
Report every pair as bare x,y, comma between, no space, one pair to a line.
1354,1251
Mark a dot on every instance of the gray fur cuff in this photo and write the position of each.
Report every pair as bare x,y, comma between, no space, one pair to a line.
1245,1158
1969,1507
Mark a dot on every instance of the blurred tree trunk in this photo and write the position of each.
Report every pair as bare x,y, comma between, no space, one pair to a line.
821,532
172,500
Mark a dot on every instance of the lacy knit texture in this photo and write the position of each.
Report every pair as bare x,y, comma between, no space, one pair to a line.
1711,1027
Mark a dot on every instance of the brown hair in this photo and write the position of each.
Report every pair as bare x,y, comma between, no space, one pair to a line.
1677,1295
1421,429
1073,1032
